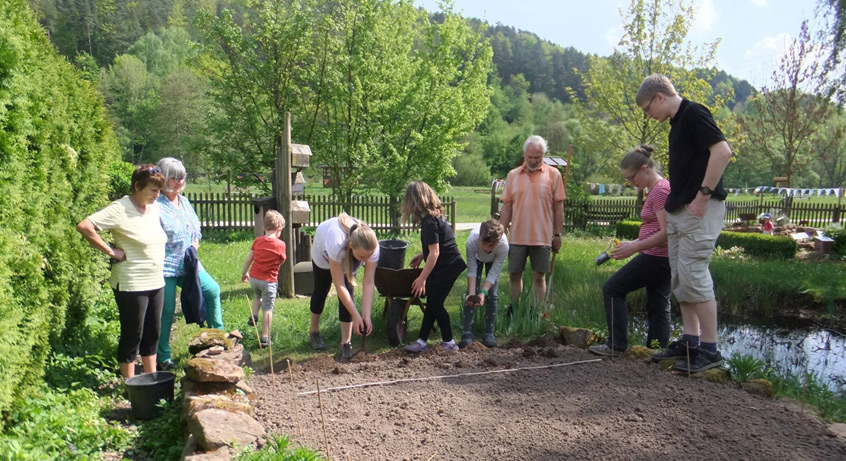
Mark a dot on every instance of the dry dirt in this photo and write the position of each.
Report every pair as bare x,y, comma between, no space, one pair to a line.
572,405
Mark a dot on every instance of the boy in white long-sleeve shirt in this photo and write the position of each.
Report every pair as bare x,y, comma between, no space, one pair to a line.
486,247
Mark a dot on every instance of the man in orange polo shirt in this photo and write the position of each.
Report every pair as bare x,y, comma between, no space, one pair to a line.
533,215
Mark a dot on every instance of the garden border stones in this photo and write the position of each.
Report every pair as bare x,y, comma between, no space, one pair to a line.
217,405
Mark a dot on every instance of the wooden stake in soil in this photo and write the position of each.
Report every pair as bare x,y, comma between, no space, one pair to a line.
322,419
294,393
270,350
255,327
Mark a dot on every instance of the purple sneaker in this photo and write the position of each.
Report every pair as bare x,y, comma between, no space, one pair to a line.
450,347
416,347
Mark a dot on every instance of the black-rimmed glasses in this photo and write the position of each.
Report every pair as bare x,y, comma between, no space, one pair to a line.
646,109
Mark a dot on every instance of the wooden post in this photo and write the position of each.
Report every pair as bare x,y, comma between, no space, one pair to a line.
283,204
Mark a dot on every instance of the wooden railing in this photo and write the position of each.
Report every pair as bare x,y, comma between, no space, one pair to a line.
238,211
219,212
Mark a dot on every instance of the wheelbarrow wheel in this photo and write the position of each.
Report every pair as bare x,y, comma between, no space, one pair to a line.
397,322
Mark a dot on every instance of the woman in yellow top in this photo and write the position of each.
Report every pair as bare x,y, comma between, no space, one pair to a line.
138,259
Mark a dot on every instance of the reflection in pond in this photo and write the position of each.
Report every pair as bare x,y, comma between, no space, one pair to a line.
790,351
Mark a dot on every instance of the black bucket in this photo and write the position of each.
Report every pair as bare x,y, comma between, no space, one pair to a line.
146,390
392,253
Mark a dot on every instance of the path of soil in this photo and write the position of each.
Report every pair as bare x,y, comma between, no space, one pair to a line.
608,409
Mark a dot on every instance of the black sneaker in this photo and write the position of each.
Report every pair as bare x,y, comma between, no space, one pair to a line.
489,341
466,340
252,321
703,360
265,341
604,350
317,341
676,350
167,365
346,351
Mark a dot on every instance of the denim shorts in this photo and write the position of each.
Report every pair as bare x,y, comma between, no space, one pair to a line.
539,256
691,241
266,291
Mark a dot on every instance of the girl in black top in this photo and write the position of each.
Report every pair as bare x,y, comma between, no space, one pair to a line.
443,265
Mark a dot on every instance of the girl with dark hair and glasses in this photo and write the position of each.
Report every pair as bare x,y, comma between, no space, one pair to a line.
137,260
650,269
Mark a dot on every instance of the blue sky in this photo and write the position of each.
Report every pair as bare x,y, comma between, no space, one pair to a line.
754,33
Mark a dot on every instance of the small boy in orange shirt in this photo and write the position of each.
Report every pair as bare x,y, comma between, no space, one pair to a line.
767,227
263,261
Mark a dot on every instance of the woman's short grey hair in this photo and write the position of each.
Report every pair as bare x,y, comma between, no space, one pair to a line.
171,168
535,140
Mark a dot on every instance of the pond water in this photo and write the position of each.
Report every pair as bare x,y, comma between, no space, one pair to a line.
790,351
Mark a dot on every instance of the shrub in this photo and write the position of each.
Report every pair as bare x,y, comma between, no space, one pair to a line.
759,245
756,245
627,230
54,141
838,247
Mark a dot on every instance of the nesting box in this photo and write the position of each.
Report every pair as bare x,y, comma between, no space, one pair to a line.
297,183
300,155
300,211
303,278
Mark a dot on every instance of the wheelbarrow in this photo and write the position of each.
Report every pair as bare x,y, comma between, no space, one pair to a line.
395,286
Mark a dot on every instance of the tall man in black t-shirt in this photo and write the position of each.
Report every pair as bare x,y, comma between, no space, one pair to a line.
696,209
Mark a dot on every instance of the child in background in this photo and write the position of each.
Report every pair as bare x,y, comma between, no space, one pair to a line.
266,255
767,227
487,247
443,262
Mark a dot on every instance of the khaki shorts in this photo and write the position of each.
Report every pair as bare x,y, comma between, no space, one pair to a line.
691,242
539,255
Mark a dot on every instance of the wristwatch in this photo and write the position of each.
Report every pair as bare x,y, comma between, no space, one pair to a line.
705,190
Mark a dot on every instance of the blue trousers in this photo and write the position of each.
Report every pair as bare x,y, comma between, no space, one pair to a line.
653,273
214,315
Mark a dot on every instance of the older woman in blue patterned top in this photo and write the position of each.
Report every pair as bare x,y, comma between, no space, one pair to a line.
182,227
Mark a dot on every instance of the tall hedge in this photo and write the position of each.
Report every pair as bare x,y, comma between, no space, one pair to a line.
55,148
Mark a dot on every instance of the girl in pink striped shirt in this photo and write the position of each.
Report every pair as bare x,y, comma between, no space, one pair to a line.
650,269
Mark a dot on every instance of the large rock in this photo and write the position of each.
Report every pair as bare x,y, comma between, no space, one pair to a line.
760,387
640,353
209,337
578,337
213,370
237,404
839,430
221,454
237,355
214,428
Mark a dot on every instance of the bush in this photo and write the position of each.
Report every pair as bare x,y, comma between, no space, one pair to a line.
838,247
756,245
759,245
54,141
627,230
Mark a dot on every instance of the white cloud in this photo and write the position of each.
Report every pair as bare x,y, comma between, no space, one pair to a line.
760,3
706,16
612,36
768,48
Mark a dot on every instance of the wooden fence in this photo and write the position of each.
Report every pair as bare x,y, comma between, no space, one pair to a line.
238,211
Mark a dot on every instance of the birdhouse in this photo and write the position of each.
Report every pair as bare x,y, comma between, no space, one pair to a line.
300,212
300,155
297,183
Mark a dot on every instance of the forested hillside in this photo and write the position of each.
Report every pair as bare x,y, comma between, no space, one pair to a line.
151,62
